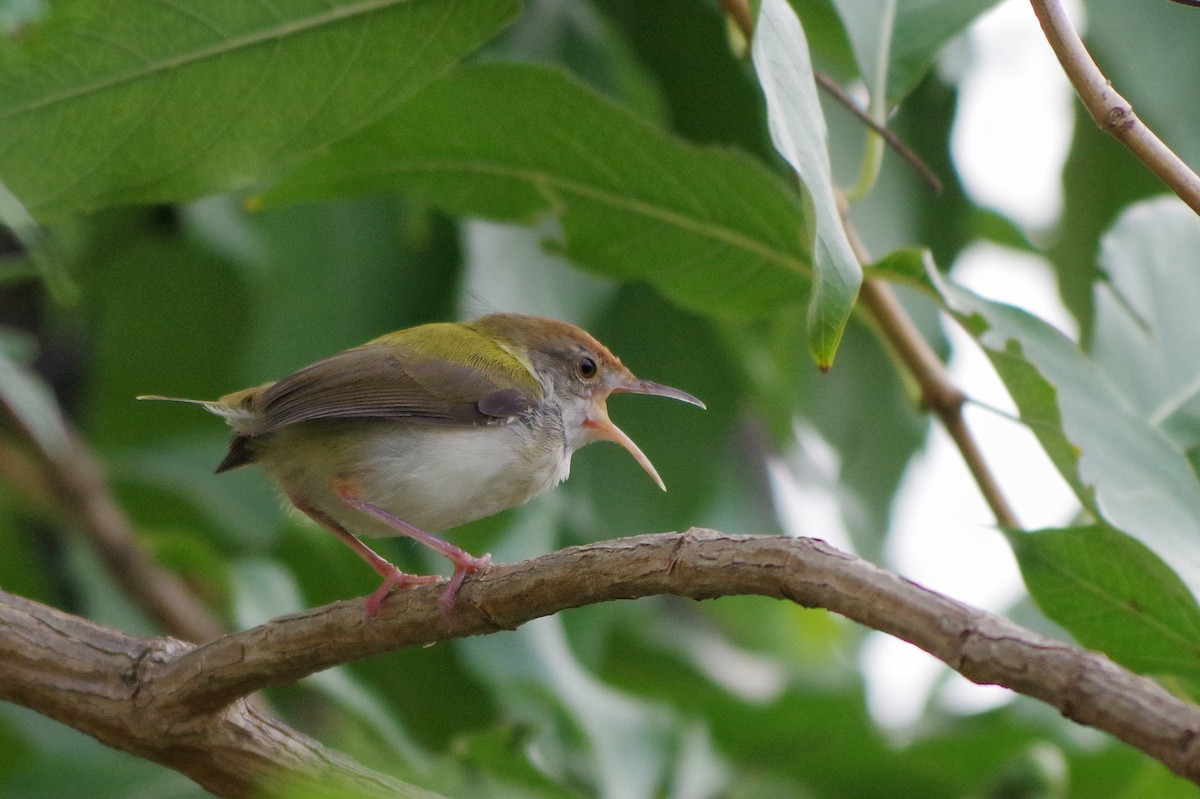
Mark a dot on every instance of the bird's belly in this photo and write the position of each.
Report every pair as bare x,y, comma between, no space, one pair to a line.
433,477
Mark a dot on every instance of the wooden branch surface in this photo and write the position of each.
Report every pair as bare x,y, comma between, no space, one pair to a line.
183,705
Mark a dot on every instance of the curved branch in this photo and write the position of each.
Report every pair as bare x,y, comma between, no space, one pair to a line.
1110,110
169,701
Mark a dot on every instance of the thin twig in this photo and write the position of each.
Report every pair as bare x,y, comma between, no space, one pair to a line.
938,392
923,170
1110,110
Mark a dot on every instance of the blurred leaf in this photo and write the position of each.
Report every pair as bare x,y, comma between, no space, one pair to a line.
1152,779
797,126
30,403
15,14
508,266
15,751
1100,178
712,229
108,104
160,330
38,252
173,486
1164,32
338,274
873,428
498,755
923,28
795,743
627,742
1113,594
710,97
908,34
578,37
57,761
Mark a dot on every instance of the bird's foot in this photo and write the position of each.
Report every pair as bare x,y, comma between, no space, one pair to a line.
397,579
464,564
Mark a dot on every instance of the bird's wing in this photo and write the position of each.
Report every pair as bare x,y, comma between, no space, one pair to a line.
392,380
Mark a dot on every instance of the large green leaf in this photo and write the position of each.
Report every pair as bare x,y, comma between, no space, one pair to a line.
141,101
1114,595
1100,419
711,228
797,126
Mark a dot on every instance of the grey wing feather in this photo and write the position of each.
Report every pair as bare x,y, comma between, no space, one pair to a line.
370,382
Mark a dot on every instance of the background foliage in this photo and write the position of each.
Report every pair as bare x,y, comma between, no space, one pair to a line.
227,191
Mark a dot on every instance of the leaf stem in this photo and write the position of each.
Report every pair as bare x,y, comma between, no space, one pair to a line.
872,159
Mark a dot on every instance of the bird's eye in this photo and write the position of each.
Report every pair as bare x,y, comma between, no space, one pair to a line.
587,368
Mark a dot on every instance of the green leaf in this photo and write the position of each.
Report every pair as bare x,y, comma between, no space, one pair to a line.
1115,595
1145,333
139,101
712,229
797,125
1140,480
910,266
907,34
922,29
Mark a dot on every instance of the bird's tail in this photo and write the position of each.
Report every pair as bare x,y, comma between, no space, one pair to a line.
237,414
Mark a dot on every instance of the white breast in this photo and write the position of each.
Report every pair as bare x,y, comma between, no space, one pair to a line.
431,477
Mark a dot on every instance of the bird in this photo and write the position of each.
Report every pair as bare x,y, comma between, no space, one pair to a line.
430,427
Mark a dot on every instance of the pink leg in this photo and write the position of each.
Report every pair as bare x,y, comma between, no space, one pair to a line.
392,577
464,562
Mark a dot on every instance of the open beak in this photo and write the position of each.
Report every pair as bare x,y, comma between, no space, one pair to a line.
603,429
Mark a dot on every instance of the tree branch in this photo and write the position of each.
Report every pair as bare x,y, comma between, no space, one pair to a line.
94,679
181,705
1110,110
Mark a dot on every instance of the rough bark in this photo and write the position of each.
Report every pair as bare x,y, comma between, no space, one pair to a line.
185,706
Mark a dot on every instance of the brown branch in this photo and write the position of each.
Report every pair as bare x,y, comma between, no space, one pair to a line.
182,705
938,392
92,678
1110,110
